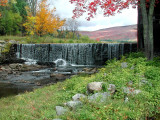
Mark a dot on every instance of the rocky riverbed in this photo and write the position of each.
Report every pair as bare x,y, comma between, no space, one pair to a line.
18,77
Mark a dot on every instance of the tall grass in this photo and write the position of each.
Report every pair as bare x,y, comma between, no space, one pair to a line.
47,39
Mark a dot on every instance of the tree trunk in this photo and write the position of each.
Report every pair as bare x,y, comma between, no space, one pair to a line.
145,26
150,22
140,40
148,28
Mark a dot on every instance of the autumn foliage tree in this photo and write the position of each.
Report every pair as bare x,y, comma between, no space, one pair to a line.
46,21
3,3
110,7
30,25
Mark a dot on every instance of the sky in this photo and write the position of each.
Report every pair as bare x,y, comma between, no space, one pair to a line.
64,9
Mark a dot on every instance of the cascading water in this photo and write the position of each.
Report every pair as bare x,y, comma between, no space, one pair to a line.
78,54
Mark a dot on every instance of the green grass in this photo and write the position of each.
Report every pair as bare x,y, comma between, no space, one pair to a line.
47,39
40,104
119,41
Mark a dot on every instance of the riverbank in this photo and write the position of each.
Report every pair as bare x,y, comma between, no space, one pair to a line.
133,73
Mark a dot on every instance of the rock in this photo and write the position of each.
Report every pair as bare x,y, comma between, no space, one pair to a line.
74,104
60,110
112,88
15,66
87,69
124,65
102,96
129,90
78,96
2,42
57,76
50,64
2,45
126,99
13,42
137,91
94,86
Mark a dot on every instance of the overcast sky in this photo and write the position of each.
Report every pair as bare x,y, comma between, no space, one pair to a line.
127,17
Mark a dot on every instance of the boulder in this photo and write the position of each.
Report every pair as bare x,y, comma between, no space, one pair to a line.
2,45
15,66
13,42
60,110
129,90
124,65
78,96
94,86
74,104
101,96
2,42
112,88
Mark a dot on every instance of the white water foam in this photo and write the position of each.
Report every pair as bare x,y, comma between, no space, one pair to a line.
60,62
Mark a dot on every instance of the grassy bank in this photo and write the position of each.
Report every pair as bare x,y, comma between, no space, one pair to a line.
40,104
47,39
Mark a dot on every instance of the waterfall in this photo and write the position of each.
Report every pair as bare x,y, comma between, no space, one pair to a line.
78,54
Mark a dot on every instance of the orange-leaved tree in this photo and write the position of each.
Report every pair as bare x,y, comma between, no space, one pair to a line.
3,3
110,7
46,21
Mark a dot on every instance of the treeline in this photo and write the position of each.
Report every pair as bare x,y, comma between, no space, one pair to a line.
33,18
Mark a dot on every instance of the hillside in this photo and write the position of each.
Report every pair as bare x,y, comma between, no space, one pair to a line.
114,33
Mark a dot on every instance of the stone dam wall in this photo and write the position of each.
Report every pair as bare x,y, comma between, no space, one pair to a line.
74,53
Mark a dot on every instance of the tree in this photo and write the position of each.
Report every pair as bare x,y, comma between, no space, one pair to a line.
110,7
23,12
10,23
72,25
46,21
2,4
30,25
33,6
11,20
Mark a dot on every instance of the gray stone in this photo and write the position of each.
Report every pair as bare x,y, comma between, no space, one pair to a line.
129,90
2,45
13,42
74,104
94,86
124,65
102,96
60,110
126,99
2,42
78,96
112,88
14,66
